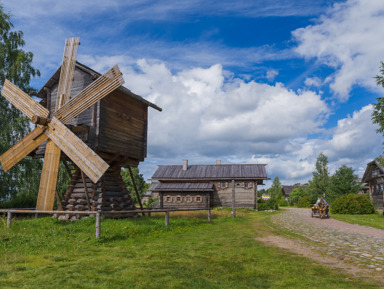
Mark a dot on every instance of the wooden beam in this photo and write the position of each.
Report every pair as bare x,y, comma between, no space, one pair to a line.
22,148
94,92
58,201
85,158
134,185
86,190
48,181
23,101
67,70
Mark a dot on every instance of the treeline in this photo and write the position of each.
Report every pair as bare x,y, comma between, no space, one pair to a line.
342,185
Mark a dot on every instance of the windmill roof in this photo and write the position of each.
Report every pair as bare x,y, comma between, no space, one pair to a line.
56,76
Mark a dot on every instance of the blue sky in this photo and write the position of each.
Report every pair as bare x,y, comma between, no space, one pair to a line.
273,82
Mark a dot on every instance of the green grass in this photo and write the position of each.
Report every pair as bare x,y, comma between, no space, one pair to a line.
143,253
370,220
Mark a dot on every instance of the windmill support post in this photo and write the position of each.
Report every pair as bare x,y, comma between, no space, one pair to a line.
135,187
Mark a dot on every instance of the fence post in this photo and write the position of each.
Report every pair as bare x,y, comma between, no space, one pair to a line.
233,199
167,218
209,214
97,225
9,219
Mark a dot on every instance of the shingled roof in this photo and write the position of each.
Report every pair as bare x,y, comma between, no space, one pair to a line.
211,172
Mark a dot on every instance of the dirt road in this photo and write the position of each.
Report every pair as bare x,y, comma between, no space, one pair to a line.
358,250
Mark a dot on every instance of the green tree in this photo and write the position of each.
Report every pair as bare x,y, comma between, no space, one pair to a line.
141,184
296,195
16,66
275,190
378,108
319,185
343,182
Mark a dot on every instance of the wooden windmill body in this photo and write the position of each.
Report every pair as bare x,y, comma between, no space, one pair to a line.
99,126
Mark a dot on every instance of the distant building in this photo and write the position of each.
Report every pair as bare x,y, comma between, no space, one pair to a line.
200,186
374,179
287,190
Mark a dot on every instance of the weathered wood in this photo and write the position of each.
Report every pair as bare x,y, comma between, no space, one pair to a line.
67,69
22,148
233,199
98,89
23,101
86,190
9,219
58,201
135,187
86,159
209,214
47,188
167,218
97,225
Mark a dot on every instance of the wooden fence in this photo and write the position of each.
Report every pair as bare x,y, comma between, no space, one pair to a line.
98,214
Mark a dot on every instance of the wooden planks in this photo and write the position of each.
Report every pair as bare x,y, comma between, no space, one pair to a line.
22,148
67,69
23,101
47,188
98,89
85,158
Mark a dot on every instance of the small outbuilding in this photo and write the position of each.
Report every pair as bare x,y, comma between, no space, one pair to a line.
204,186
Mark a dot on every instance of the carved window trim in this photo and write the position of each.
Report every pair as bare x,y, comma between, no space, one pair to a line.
188,199
179,199
169,199
198,199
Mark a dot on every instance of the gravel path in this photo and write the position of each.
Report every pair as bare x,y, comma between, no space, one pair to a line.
360,245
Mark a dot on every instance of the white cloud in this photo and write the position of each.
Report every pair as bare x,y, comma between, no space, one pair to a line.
313,81
271,74
205,113
353,142
348,38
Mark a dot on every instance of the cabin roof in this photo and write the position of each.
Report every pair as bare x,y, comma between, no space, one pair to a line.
211,172
287,190
181,187
56,76
377,163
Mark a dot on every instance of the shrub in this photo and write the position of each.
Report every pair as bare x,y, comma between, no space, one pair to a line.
352,204
283,202
270,204
304,202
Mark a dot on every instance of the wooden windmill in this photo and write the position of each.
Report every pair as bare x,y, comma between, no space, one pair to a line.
51,126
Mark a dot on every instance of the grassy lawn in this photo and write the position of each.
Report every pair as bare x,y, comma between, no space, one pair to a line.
143,253
371,220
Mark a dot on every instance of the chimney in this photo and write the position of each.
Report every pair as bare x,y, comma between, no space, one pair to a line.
218,162
185,165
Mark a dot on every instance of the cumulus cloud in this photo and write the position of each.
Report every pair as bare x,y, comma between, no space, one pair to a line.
349,38
353,142
206,113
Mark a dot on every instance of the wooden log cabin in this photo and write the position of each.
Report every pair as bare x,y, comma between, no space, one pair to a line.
204,186
374,179
115,128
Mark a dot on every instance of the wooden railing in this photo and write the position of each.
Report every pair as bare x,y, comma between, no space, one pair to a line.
98,214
